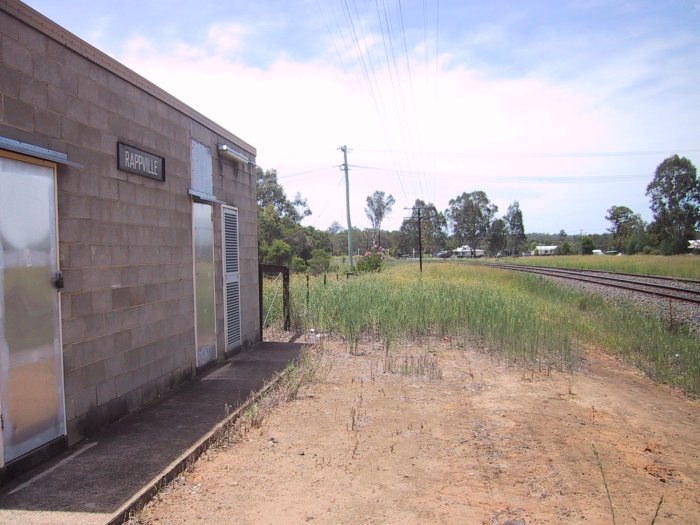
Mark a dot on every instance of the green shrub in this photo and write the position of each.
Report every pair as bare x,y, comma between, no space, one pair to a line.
279,252
320,262
372,262
298,264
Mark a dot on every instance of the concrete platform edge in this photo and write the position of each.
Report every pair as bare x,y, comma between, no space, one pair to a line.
139,500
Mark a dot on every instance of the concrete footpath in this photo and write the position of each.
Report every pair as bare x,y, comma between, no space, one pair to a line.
100,479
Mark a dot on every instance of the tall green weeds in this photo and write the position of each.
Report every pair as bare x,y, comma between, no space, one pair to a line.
531,321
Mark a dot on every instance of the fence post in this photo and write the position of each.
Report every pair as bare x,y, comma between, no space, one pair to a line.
284,270
260,299
285,298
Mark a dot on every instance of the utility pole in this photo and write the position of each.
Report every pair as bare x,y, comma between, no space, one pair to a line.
420,238
344,149
420,244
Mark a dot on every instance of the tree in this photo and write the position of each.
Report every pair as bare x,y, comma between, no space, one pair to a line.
320,261
279,219
618,216
301,241
628,230
298,264
634,236
335,228
339,238
433,229
270,225
587,245
271,192
498,236
516,229
470,215
279,252
675,201
377,208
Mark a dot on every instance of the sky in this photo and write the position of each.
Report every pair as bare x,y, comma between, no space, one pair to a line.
565,107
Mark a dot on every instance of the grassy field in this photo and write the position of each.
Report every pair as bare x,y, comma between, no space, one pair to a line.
686,266
530,321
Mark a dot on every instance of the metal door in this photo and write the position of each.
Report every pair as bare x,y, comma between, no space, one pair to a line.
31,368
232,285
205,297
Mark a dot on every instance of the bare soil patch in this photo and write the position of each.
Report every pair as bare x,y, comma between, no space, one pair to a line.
483,443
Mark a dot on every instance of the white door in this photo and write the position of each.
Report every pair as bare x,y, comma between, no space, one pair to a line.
31,367
232,284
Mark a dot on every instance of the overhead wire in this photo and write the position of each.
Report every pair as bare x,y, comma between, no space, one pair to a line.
364,68
341,58
369,80
396,87
405,52
333,194
305,172
437,82
406,144
403,127
360,54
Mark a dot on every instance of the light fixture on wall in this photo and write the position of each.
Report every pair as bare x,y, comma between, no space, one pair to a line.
231,154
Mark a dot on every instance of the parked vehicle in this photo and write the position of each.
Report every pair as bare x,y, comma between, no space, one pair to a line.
466,251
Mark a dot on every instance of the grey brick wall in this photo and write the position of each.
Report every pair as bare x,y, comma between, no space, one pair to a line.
125,241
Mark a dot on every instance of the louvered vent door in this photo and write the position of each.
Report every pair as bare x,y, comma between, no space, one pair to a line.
232,282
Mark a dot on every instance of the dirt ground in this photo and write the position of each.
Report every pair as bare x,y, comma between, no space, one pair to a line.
484,443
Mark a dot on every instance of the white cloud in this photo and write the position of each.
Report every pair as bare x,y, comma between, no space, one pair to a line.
99,29
139,45
227,38
298,113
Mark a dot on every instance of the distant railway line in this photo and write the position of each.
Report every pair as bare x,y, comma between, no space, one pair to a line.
684,290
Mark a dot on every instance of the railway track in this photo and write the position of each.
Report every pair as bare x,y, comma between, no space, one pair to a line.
685,290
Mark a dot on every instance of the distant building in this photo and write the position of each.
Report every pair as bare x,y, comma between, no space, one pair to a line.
694,245
546,250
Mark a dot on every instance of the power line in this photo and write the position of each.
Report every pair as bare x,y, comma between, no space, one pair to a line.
306,172
341,59
335,189
397,93
369,80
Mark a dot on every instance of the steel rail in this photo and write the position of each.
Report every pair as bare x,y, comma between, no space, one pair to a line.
684,280
640,287
613,276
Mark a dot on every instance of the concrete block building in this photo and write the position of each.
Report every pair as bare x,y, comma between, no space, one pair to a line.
128,239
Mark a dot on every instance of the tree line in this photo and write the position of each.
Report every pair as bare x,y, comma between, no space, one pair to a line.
675,203
472,220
